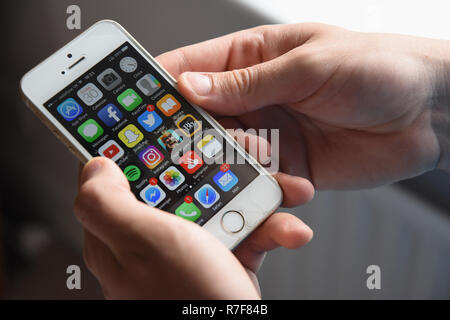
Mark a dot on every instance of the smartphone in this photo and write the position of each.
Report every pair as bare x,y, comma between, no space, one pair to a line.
103,94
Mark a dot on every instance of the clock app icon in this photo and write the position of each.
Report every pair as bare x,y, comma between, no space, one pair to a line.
128,64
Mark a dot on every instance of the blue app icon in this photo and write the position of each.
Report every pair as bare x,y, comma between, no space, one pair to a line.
110,115
207,196
69,109
152,195
225,180
149,120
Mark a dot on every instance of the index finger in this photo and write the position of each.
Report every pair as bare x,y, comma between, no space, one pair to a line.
237,50
280,229
208,56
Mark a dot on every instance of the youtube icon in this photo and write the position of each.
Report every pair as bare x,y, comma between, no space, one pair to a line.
111,150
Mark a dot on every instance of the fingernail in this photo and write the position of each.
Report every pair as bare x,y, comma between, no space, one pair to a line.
200,83
91,168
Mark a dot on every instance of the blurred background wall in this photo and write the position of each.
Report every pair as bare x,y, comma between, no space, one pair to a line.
404,228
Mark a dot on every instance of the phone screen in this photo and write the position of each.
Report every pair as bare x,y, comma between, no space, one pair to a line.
174,159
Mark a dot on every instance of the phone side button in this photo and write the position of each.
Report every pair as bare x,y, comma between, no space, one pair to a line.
232,221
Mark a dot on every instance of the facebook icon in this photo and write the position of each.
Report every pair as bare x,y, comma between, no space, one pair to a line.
110,115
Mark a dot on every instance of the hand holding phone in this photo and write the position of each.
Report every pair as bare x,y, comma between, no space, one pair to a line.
140,252
104,95
112,99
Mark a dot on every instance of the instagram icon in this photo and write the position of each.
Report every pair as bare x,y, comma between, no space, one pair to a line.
151,157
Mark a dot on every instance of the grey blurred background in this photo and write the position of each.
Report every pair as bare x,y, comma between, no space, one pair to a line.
403,228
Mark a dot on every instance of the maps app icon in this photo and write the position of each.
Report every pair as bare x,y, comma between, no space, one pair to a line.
70,109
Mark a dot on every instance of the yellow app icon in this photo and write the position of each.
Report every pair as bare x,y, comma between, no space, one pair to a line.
130,135
189,125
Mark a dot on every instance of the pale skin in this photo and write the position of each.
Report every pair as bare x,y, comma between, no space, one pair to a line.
354,110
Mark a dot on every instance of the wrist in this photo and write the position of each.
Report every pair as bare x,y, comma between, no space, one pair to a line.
440,104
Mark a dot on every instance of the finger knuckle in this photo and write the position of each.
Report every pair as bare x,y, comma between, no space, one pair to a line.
252,44
241,81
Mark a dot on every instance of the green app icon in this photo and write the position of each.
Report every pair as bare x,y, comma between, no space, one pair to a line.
189,211
132,172
90,130
129,99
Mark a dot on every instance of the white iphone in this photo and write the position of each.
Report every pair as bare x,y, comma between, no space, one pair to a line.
104,95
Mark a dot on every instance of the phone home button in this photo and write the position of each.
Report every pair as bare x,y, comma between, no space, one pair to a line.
232,221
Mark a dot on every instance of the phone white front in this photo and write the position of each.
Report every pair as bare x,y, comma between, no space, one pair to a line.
104,95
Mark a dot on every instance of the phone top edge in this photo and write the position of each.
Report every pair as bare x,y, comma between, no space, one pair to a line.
61,49
50,60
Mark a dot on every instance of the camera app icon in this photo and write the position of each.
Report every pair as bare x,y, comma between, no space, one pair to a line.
109,79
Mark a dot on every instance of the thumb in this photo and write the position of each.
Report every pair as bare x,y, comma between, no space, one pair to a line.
101,167
241,90
105,205
108,209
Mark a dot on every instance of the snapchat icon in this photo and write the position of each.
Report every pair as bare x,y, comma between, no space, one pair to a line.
130,135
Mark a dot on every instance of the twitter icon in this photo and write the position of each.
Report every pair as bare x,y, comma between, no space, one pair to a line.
149,120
